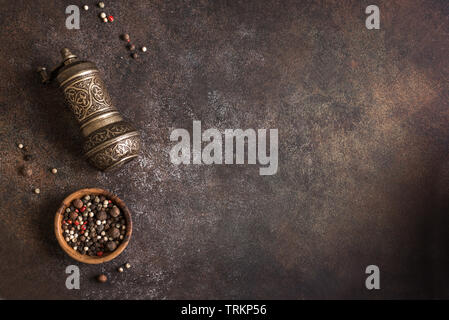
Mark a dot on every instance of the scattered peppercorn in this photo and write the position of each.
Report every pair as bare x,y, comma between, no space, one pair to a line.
37,191
86,7
144,49
101,4
120,269
134,55
105,20
102,15
54,171
128,265
111,18
26,171
131,47
20,146
125,37
102,278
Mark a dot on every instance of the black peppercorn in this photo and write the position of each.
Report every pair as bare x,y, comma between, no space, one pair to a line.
73,215
114,212
102,215
111,245
114,233
26,171
78,203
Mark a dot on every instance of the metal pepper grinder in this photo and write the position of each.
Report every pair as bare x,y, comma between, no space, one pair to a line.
110,141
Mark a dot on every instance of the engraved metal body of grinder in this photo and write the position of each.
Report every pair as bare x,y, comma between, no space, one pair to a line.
109,140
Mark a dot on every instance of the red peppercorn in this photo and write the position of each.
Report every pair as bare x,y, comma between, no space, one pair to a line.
69,221
83,227
85,222
77,223
82,232
111,18
99,253
76,210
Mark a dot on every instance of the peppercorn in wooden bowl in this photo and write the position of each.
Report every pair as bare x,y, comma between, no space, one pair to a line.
74,219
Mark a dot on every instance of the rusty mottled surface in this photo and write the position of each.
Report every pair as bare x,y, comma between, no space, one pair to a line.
363,124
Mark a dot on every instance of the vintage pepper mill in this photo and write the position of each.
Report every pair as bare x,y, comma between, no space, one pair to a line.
110,141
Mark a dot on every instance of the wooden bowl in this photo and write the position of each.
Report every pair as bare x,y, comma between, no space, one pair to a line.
85,258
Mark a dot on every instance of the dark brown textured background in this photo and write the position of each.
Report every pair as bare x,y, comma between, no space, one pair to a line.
363,125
